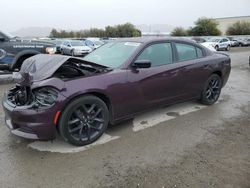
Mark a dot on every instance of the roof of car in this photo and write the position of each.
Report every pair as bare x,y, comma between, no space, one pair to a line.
153,39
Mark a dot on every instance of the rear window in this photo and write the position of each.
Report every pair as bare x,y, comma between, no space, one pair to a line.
188,52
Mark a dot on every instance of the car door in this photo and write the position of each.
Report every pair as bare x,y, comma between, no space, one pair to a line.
7,52
193,68
159,83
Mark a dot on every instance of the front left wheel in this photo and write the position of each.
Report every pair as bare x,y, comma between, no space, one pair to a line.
84,120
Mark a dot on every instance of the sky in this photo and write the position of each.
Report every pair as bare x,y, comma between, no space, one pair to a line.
84,14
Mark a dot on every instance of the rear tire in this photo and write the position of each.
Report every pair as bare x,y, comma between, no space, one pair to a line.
228,48
84,120
216,48
212,90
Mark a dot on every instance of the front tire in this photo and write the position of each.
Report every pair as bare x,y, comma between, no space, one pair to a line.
216,48
84,120
212,90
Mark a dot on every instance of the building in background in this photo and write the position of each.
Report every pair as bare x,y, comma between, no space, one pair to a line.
225,22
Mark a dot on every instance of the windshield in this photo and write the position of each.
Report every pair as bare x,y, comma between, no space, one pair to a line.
58,42
112,54
214,40
77,43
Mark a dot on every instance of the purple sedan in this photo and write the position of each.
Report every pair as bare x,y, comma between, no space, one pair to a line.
79,98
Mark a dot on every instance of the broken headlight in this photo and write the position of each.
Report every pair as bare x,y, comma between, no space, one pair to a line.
45,96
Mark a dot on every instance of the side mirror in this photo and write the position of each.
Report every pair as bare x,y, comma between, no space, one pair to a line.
2,39
69,45
142,63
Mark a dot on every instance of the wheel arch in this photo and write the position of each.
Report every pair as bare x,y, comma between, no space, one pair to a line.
98,94
219,73
26,53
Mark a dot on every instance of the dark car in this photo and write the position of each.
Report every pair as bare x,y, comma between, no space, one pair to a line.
233,41
80,97
13,51
244,42
58,43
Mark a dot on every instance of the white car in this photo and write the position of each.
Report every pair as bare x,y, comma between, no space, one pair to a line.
209,46
75,48
218,43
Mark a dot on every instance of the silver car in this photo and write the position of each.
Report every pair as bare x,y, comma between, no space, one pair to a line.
74,48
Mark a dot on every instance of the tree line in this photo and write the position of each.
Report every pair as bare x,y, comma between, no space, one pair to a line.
209,27
122,30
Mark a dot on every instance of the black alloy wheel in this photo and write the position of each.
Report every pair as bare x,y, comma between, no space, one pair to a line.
84,120
211,90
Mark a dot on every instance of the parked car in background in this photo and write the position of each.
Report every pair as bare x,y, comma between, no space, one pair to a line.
199,39
247,42
244,42
14,50
94,43
209,46
219,43
58,43
74,48
233,41
80,97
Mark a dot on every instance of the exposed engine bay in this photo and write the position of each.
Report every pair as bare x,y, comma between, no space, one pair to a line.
24,96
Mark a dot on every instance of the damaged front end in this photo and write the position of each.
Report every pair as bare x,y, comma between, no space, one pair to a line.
33,105
23,95
40,97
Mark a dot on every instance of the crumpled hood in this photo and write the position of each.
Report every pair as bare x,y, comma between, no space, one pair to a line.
41,67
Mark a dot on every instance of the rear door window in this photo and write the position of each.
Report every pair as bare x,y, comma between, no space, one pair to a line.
185,52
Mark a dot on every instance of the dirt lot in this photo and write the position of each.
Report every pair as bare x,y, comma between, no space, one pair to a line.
221,161
186,145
